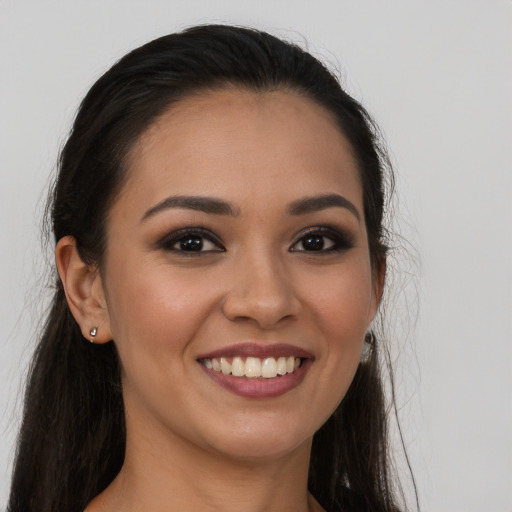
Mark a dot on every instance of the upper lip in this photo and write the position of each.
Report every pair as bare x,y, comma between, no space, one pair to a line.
253,349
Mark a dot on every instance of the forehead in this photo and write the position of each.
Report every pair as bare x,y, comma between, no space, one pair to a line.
229,141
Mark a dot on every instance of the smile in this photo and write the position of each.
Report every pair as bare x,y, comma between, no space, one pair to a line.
254,370
253,367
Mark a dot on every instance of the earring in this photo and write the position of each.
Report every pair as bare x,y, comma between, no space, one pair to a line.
93,333
369,342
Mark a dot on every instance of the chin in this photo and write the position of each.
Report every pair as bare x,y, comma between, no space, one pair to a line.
262,440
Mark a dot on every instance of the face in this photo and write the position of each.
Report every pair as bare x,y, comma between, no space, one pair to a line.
237,275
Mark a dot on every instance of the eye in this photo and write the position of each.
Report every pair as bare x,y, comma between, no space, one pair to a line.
322,240
194,243
191,241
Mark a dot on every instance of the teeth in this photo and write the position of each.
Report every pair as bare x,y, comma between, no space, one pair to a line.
269,368
238,368
281,366
253,367
225,367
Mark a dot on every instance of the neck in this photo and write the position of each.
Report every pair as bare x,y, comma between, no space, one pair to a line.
160,477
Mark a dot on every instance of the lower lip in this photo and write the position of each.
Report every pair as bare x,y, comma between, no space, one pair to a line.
259,387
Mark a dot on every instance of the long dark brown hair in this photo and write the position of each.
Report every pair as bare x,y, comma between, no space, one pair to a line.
72,439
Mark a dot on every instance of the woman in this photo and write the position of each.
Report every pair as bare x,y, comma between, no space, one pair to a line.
218,219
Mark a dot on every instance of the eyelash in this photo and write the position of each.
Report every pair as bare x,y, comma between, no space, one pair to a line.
339,241
168,243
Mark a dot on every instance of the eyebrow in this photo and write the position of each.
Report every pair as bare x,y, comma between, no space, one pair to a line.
199,203
318,203
216,206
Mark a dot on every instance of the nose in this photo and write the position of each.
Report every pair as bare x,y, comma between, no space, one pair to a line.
261,292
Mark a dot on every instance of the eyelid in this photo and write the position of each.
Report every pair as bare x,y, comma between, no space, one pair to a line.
170,239
342,239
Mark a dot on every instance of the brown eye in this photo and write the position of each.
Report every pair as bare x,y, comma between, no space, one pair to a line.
314,243
322,240
191,241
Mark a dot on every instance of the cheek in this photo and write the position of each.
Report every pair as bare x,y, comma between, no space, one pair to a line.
155,317
341,300
157,308
341,307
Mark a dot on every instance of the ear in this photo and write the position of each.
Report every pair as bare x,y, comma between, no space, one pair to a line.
378,280
84,291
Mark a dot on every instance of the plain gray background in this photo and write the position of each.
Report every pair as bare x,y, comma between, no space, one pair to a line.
437,76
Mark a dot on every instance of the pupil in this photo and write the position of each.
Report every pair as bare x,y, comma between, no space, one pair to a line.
313,243
191,244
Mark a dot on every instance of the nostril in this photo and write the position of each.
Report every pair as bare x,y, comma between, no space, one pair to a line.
267,311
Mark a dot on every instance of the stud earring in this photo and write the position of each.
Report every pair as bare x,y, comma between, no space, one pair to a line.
93,333
369,342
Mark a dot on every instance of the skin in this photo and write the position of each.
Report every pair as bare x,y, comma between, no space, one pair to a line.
191,444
